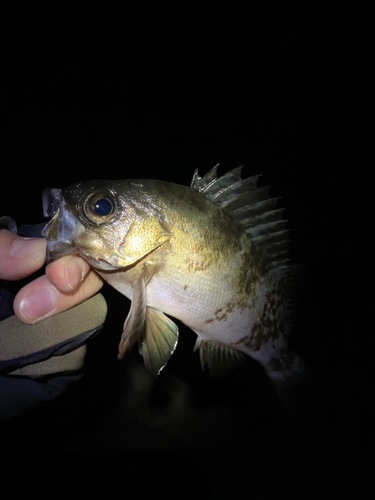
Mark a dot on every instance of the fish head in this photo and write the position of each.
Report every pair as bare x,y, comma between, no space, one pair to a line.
111,224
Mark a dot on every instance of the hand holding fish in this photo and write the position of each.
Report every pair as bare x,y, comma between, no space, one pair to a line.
67,282
38,360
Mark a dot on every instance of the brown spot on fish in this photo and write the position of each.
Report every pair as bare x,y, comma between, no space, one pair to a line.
270,319
248,276
199,247
194,266
256,339
222,313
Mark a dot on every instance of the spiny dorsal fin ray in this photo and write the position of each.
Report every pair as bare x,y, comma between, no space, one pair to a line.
232,193
219,358
236,202
271,237
200,183
253,210
251,223
250,206
229,186
269,228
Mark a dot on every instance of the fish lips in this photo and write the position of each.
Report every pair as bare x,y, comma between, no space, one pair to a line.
62,229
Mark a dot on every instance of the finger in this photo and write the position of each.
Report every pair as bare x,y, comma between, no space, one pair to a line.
67,273
40,298
20,257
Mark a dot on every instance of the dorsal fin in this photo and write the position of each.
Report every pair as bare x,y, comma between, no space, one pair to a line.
252,207
199,183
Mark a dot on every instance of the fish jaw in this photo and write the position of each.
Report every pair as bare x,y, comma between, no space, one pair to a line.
61,233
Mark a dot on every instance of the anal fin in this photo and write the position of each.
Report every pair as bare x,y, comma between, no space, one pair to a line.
219,358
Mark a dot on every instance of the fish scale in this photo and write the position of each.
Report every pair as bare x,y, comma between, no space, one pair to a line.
213,255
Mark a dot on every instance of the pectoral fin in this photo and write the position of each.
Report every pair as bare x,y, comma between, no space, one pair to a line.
220,359
135,322
155,333
159,340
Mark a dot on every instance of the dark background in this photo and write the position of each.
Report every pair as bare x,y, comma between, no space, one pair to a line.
146,91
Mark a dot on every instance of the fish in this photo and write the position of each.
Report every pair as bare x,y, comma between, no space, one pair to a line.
213,255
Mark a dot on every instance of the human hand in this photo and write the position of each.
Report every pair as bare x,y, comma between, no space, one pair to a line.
67,282
39,359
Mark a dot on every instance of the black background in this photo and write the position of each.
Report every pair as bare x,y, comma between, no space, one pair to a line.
149,91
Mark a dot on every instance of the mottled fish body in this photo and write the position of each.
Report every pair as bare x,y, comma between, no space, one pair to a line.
213,255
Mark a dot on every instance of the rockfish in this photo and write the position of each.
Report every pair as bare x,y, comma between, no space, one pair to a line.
213,255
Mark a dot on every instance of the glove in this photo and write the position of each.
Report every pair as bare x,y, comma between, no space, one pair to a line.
38,361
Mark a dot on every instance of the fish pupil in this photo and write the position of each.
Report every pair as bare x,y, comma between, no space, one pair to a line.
103,207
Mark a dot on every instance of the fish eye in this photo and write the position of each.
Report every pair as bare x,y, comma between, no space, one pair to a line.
100,207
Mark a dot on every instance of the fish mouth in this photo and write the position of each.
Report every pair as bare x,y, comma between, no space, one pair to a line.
51,201
57,249
63,228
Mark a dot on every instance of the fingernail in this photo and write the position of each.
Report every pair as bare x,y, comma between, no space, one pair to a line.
38,305
74,272
26,248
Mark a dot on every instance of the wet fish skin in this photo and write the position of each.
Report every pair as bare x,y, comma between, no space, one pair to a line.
212,255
